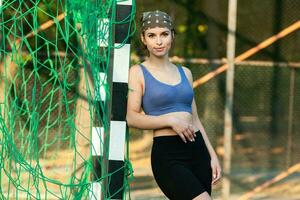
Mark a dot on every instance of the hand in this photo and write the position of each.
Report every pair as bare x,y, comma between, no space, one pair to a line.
183,129
216,170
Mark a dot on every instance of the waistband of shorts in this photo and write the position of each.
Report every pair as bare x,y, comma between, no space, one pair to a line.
173,144
171,137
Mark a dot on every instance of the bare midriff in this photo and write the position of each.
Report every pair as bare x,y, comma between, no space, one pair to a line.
184,116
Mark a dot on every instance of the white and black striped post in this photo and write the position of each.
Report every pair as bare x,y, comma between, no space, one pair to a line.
113,186
118,126
98,139
100,104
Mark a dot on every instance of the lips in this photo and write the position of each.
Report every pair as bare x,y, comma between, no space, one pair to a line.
159,49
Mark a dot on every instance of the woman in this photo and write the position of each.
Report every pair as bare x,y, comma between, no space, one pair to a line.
183,161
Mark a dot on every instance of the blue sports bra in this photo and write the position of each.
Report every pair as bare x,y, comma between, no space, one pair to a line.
161,98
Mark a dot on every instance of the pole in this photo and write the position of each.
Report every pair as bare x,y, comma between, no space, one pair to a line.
102,107
117,136
290,120
264,44
229,98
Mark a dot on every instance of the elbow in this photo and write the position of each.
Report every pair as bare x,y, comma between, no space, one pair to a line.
133,119
129,120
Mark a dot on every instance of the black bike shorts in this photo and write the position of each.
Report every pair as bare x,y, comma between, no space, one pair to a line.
181,170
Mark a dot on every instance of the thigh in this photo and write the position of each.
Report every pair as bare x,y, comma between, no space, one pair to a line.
203,172
201,166
186,183
172,168
175,179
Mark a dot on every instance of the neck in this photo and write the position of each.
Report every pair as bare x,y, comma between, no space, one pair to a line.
160,62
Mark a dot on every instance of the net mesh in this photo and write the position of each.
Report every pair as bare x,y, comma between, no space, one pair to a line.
55,58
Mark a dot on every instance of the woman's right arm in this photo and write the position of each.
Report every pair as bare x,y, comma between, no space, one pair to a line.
135,117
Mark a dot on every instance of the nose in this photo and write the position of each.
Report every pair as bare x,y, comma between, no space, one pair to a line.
158,41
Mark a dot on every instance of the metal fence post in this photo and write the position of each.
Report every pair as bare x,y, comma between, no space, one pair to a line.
232,7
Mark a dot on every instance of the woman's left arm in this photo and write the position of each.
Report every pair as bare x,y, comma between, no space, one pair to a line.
215,164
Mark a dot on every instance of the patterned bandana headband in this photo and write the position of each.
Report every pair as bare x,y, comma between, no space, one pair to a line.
156,19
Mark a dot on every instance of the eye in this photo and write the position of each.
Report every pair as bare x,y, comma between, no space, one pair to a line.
150,35
165,33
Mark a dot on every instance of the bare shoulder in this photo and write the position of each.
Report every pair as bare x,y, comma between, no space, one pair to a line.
135,69
135,72
136,79
188,73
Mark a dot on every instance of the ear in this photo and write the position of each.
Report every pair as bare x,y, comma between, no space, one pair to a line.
143,39
173,35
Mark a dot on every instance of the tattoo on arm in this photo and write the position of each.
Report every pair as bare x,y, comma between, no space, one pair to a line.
130,89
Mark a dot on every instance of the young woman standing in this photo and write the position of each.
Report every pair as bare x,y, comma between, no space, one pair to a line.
183,161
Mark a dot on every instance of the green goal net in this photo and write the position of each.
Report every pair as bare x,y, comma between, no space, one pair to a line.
51,55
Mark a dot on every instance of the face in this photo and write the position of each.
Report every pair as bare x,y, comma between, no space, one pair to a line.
158,41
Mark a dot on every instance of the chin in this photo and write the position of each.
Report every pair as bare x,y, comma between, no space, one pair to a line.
160,54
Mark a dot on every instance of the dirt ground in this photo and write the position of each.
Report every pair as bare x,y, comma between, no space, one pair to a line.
144,187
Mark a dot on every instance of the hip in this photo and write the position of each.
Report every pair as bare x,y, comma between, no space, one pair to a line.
173,148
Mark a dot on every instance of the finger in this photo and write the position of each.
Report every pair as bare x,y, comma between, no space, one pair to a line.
191,133
214,174
215,181
218,175
191,128
182,137
188,135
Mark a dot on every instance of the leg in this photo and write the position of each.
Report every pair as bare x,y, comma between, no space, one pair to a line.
201,166
203,173
173,171
186,184
202,196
